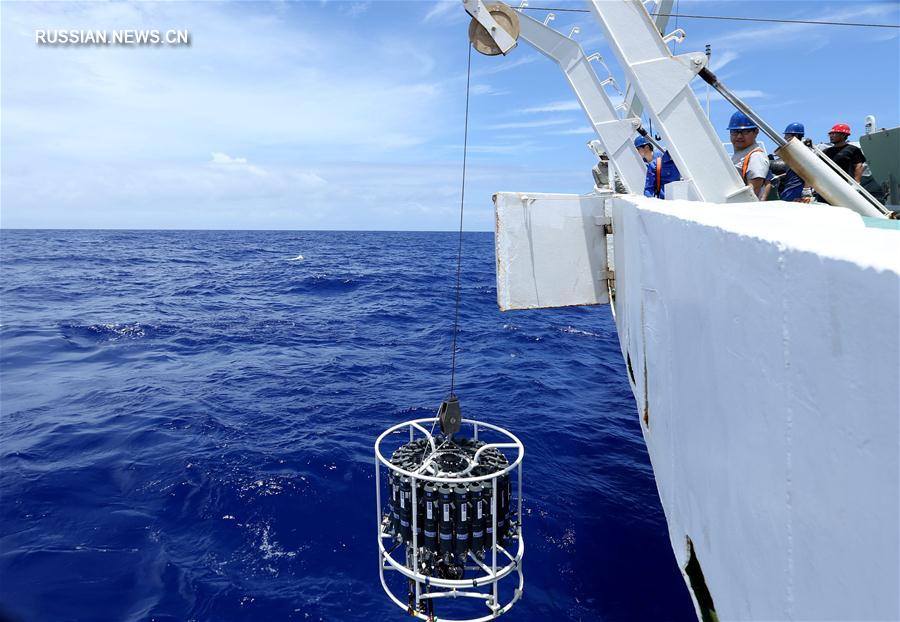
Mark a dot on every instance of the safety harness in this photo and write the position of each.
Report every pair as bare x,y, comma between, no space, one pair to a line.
746,164
658,175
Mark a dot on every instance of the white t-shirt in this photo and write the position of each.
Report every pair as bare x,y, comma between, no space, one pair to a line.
758,167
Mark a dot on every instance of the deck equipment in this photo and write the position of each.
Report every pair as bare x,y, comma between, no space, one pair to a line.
450,517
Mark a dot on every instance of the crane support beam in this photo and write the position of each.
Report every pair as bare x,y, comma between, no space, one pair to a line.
633,104
616,134
662,83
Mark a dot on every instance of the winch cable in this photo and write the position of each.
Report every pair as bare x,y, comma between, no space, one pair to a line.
734,18
462,202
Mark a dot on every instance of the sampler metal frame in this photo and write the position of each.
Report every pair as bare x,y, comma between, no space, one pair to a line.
454,588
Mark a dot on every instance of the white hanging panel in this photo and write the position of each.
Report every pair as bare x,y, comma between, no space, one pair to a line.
551,250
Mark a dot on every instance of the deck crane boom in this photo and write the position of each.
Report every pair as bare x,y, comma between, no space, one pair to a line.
662,82
615,134
633,106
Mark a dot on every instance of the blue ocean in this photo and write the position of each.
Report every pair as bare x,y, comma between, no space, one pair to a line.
187,422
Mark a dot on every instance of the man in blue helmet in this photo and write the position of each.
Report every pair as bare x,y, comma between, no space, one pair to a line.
644,147
661,169
749,157
791,187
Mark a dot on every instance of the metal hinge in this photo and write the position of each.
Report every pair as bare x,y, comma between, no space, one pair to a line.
605,222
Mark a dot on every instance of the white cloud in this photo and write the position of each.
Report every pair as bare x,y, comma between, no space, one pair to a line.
749,94
578,131
225,159
719,61
769,36
226,163
298,117
245,116
537,123
356,195
558,106
714,97
441,10
355,9
486,89
504,66
253,78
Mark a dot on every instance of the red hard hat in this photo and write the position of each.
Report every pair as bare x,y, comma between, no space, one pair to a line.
843,128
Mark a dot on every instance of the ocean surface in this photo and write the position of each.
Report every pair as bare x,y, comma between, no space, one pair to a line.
187,422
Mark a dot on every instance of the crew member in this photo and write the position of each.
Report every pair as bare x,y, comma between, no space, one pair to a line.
661,169
791,187
748,156
848,157
644,147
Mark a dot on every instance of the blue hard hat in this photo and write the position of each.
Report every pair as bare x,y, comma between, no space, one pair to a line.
740,121
640,141
795,128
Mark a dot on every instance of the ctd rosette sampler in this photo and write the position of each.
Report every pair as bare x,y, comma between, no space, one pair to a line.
450,517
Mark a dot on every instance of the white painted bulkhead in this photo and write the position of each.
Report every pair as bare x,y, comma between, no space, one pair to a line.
764,345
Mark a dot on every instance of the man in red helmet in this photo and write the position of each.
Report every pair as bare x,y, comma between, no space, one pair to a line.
848,157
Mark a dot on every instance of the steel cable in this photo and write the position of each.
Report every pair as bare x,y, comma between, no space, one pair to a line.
462,201
736,19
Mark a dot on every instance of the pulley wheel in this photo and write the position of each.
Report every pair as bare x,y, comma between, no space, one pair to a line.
506,18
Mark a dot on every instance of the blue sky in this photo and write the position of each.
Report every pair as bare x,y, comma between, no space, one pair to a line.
349,115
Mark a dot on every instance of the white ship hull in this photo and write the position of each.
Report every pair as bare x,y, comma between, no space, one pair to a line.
763,342
763,347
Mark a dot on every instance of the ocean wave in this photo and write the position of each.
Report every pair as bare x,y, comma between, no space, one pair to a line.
322,283
112,331
571,330
197,426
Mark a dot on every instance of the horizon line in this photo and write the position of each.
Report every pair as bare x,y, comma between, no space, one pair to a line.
2,229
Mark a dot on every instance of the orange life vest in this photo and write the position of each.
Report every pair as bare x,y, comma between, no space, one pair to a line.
747,163
658,175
